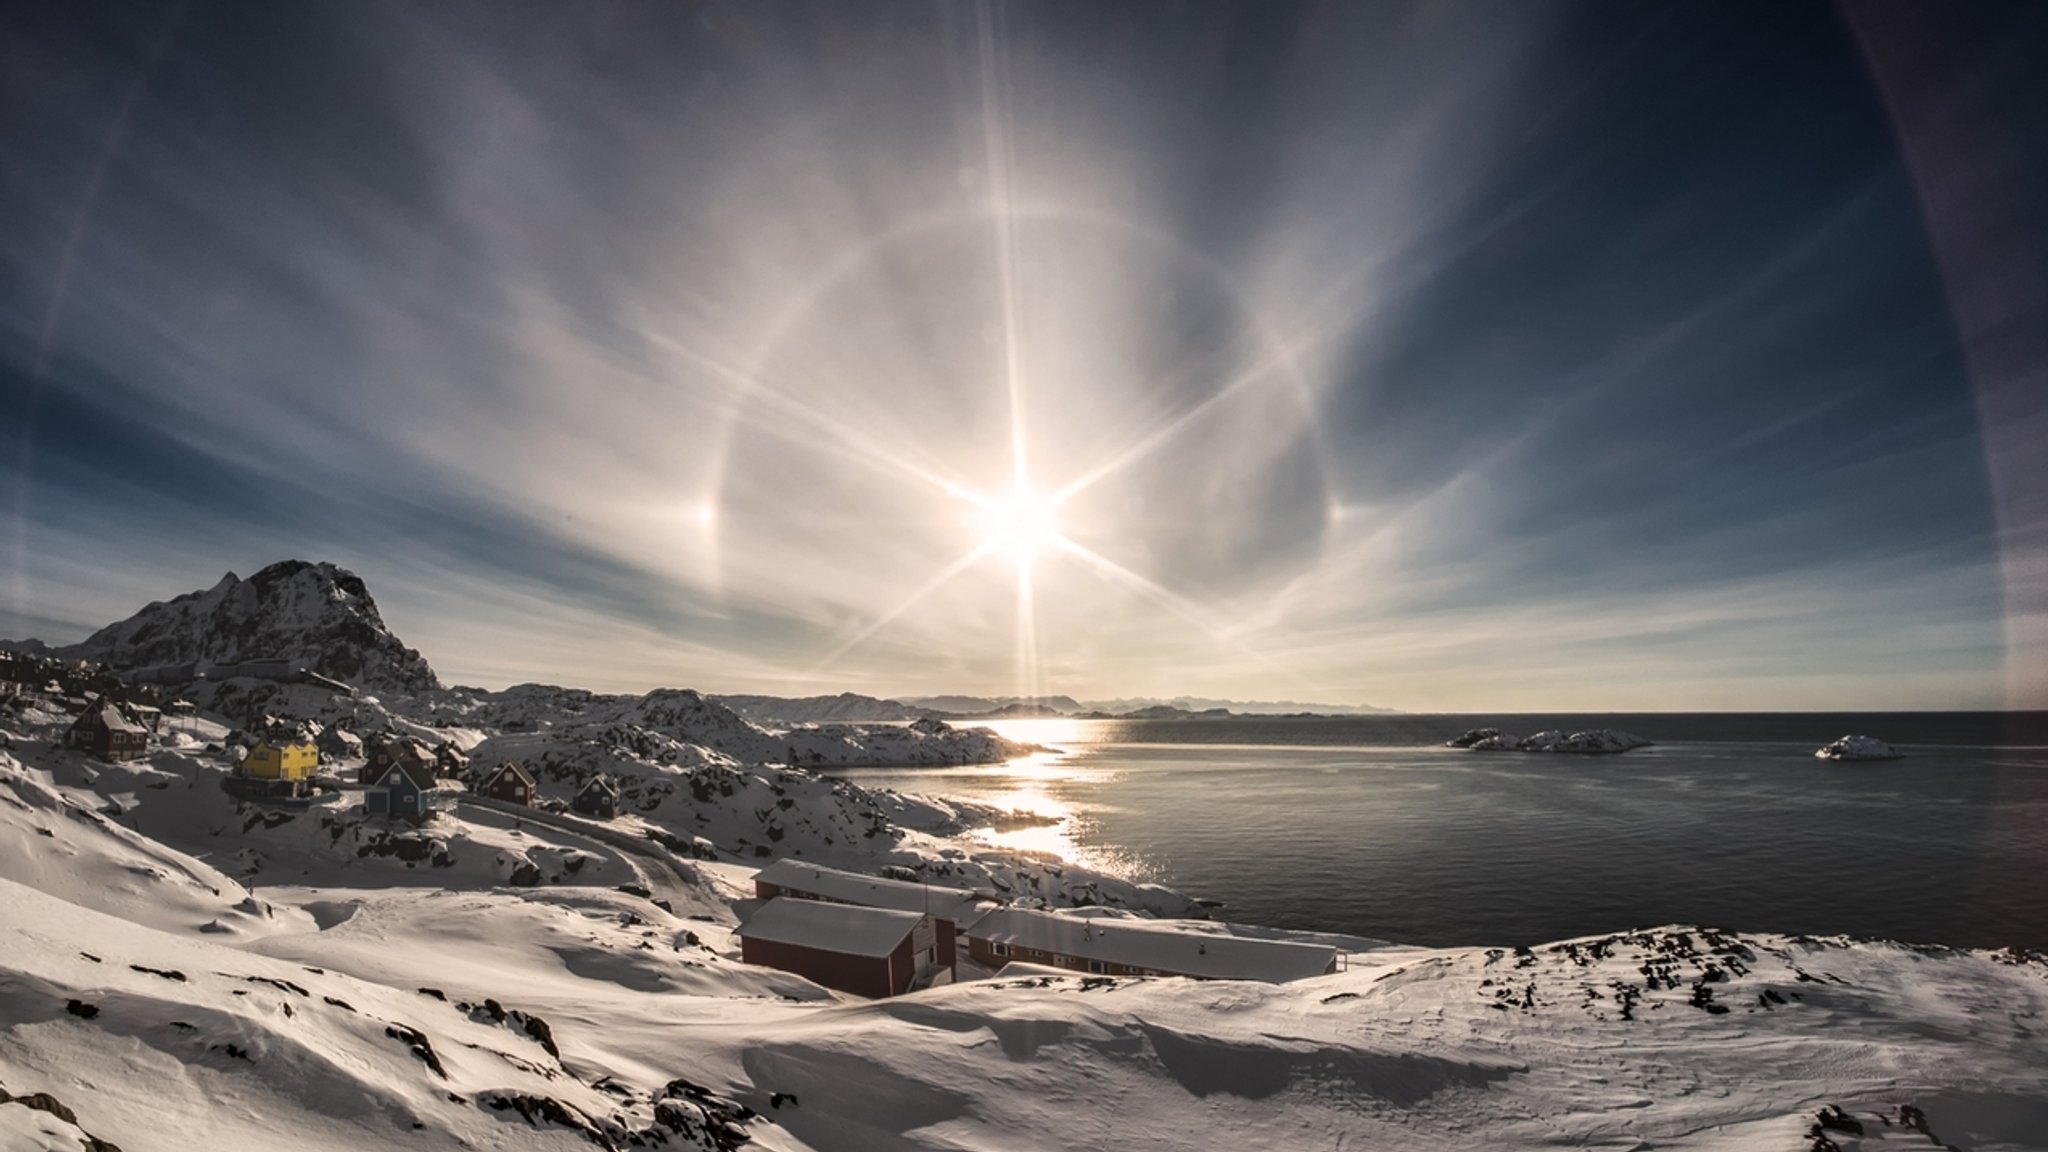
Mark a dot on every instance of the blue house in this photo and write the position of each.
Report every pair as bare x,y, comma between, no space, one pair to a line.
598,799
396,793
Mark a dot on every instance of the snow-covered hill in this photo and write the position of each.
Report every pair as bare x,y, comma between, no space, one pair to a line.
687,727
315,615
578,1018
438,995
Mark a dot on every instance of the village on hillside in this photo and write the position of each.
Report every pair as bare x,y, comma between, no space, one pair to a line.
299,885
857,934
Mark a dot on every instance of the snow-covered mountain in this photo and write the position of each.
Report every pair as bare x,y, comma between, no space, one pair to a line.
314,615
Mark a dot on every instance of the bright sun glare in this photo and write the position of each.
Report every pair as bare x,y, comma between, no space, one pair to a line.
1019,525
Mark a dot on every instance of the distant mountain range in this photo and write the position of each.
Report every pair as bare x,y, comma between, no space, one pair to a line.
1068,706
852,707
977,705
845,708
1240,707
320,617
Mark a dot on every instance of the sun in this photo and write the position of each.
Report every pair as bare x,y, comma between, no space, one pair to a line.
1018,525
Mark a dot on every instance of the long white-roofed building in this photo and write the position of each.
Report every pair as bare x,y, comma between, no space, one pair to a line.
1129,947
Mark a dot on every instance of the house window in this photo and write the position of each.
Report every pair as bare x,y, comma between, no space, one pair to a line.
1097,967
999,949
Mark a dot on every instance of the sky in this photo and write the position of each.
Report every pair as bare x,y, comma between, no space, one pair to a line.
1443,357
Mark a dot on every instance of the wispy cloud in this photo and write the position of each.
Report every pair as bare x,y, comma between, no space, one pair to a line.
1429,355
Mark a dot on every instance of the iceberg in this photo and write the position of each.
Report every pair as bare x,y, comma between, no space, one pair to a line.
1859,748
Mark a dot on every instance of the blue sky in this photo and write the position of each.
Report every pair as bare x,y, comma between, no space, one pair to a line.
1437,356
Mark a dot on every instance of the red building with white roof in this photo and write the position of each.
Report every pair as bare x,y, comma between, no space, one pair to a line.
872,952
951,909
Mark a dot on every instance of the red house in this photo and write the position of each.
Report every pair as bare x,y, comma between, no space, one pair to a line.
509,782
871,952
951,909
104,732
385,753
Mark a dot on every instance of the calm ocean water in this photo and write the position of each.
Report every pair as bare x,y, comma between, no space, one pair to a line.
1368,826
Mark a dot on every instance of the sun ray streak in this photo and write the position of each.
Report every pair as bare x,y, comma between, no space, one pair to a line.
1173,603
998,146
1152,441
930,586
1027,637
840,430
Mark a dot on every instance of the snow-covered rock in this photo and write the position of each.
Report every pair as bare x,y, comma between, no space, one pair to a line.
1473,738
317,616
1859,748
1592,741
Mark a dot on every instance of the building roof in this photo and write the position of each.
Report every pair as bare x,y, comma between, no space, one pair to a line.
279,742
955,904
1138,944
843,928
109,716
397,777
518,771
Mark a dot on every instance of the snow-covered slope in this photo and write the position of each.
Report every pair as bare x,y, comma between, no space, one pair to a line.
158,1041
407,1020
316,615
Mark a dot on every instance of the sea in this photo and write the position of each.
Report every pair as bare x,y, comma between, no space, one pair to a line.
1370,826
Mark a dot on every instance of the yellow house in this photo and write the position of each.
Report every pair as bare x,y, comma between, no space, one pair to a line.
267,761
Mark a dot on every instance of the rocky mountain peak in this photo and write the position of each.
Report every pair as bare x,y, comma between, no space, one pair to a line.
317,615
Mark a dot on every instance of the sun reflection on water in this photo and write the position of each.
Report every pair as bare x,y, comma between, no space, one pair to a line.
1041,787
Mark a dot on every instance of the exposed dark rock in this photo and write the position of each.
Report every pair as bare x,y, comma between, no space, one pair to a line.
421,1047
542,1034
280,985
44,1102
537,1110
